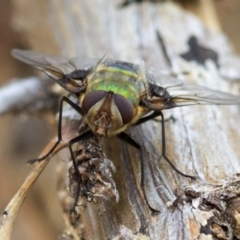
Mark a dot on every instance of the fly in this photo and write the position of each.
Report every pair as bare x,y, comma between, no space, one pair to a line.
115,95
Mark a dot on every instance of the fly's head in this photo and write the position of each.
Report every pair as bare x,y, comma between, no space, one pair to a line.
107,113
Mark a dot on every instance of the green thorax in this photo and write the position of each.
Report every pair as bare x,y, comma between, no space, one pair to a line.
119,77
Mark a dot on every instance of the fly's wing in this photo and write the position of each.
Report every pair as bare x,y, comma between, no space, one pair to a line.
190,94
55,67
162,80
183,94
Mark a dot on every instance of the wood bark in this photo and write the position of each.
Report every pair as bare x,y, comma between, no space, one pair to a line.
202,141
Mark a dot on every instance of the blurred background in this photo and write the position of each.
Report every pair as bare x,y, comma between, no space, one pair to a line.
23,138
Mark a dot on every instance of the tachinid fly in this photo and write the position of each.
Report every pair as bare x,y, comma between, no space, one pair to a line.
115,95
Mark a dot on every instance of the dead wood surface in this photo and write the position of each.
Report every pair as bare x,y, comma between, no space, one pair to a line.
203,141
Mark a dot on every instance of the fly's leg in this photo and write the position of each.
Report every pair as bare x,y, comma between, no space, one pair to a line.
164,150
153,115
74,106
171,118
126,138
84,136
147,118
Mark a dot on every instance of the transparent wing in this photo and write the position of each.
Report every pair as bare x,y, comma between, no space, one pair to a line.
183,94
163,80
62,70
189,94
53,66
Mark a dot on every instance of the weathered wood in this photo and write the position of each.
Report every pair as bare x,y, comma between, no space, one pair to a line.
203,141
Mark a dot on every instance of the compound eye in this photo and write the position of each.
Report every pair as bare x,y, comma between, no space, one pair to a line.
125,108
91,99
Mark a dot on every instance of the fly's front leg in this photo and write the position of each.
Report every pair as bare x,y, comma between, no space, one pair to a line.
74,106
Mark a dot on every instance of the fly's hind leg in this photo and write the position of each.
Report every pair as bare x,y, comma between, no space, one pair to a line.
74,106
